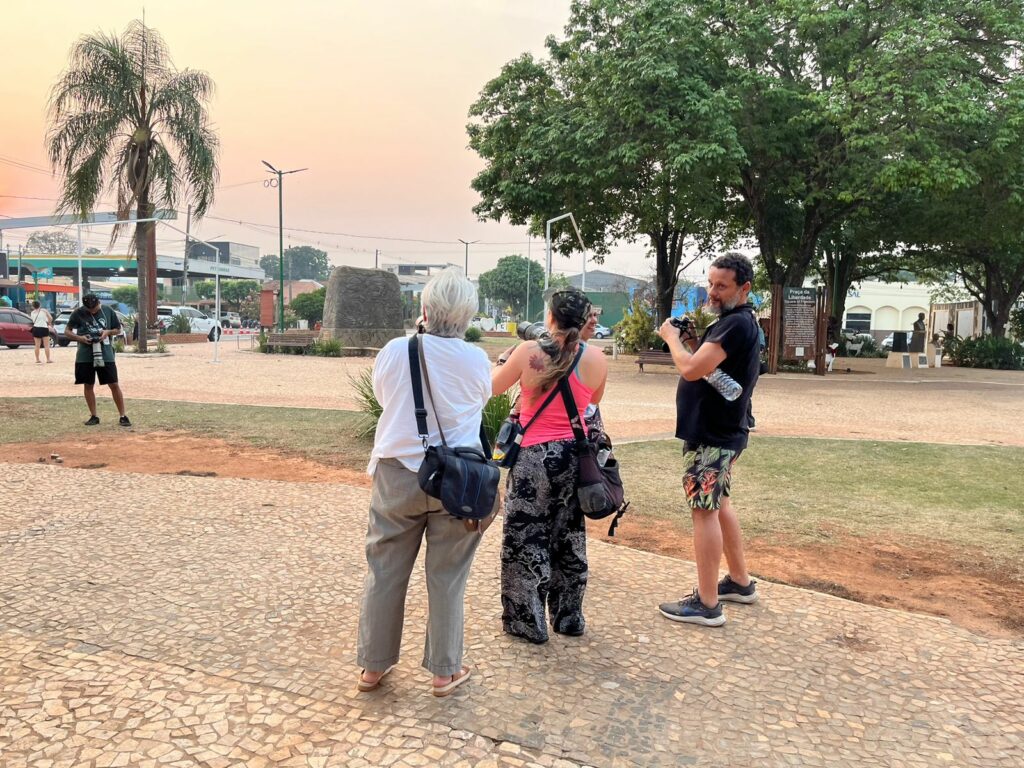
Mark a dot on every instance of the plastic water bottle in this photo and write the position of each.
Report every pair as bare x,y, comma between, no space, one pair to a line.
724,384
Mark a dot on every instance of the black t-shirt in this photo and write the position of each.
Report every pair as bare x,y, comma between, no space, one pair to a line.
704,417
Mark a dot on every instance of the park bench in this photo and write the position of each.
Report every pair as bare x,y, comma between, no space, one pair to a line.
297,339
654,357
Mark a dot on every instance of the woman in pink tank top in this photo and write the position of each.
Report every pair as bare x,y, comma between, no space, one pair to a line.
544,542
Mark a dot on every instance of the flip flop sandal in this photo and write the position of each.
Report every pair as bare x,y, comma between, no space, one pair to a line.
457,680
365,687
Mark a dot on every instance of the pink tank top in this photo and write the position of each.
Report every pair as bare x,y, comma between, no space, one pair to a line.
553,422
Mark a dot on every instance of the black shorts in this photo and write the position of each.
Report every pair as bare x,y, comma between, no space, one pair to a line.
86,373
40,333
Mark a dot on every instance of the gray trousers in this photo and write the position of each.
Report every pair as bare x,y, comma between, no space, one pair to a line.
400,515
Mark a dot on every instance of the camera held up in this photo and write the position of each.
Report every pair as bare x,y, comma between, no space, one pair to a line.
533,331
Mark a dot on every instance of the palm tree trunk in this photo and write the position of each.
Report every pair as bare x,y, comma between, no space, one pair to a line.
143,317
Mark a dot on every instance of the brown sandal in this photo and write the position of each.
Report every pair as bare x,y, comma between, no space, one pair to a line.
365,686
457,680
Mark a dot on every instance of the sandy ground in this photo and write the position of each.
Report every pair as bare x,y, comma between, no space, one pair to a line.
947,405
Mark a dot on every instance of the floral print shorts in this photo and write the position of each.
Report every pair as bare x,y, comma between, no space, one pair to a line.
707,474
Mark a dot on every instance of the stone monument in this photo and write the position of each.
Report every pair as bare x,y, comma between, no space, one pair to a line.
363,307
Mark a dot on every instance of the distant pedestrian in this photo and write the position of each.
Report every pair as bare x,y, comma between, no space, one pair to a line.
42,327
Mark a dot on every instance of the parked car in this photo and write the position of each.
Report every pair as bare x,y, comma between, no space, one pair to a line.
602,331
60,324
199,322
230,320
15,328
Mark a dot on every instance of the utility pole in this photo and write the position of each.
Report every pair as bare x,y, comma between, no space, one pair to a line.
376,253
467,244
184,270
280,234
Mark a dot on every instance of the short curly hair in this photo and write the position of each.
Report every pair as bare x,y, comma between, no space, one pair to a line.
740,265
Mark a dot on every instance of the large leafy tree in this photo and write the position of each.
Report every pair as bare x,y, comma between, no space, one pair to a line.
124,120
507,283
625,124
309,306
301,262
840,105
51,241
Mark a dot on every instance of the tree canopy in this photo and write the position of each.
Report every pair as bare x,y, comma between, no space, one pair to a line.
309,306
798,126
301,262
506,284
51,241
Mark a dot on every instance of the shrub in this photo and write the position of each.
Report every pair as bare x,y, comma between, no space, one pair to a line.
473,334
327,347
119,344
636,330
179,324
496,411
1017,323
366,402
986,352
161,348
262,342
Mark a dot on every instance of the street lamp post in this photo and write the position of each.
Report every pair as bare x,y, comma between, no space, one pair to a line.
467,243
280,236
547,247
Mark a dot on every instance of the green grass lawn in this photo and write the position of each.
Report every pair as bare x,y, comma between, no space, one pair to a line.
969,497
808,489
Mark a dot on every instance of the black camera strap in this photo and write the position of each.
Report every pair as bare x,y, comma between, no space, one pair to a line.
416,358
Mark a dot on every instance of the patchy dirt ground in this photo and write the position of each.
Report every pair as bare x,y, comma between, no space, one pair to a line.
925,578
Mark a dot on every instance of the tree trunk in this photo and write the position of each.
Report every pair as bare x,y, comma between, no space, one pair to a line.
142,316
668,247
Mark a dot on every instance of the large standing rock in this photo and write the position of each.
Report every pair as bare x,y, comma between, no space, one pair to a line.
363,307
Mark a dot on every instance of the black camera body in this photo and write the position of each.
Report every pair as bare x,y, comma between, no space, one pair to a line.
684,325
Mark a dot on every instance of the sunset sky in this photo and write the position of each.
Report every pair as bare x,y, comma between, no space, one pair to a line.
371,96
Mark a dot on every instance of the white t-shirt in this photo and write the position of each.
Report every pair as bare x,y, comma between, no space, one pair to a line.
40,318
460,380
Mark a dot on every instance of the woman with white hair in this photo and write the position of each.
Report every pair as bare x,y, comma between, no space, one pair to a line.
401,514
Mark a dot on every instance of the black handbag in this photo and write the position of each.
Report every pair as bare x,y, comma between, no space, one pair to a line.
463,479
599,487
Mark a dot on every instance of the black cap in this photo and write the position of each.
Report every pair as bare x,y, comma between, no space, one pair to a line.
90,300
571,308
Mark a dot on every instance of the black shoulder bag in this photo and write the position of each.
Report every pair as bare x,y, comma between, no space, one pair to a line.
599,487
463,479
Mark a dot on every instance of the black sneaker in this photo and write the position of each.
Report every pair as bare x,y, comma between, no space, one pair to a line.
123,421
693,611
732,592
93,421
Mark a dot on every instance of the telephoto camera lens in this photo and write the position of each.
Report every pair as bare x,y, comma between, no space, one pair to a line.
532,331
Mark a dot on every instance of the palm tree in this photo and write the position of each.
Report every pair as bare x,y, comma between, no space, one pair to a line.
124,120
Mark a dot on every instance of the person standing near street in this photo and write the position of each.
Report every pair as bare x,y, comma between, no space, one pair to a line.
42,325
93,323
714,432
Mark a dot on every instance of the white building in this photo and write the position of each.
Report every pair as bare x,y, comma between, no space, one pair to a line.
881,308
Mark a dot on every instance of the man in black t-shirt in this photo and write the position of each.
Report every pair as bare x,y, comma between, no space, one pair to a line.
93,326
714,432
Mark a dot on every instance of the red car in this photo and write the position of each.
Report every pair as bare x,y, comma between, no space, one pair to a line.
15,328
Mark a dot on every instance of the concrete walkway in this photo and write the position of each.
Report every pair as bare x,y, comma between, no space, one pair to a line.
155,620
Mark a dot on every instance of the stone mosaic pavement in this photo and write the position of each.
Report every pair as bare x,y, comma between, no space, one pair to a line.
181,621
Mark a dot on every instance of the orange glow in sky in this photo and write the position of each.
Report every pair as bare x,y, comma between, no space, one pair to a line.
371,96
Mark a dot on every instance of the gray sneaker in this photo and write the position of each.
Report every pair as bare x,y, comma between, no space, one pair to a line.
692,611
732,592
